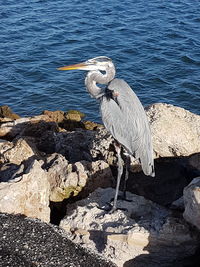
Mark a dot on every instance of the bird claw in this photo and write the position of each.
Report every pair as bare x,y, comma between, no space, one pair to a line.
110,208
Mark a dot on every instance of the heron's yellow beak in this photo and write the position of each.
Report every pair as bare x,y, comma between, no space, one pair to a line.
80,66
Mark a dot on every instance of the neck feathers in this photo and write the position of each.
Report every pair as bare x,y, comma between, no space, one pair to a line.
94,77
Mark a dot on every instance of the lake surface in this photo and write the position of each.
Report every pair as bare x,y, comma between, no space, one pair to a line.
154,44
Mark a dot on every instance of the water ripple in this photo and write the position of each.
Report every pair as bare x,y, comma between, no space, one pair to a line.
154,44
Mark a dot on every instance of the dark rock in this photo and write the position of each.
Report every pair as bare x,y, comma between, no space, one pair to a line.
89,125
37,129
28,242
172,175
71,125
6,112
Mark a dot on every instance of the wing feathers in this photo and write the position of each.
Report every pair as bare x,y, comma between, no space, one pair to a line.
126,120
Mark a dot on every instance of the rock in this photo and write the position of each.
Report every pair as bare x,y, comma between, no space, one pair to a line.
74,115
62,185
26,192
172,175
175,131
38,128
167,141
93,126
98,175
122,236
74,146
68,180
71,125
102,147
17,151
56,116
6,112
78,145
34,126
191,195
178,204
3,120
12,128
28,242
9,171
47,137
194,163
72,120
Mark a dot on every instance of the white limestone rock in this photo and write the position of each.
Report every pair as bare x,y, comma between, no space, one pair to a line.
191,195
17,151
27,193
175,131
143,228
69,179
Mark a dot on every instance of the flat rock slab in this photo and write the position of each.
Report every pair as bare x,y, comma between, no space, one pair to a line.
143,229
28,242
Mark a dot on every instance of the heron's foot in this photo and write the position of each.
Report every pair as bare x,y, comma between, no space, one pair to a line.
106,208
111,208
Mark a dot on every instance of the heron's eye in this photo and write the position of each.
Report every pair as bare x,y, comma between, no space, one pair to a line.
103,72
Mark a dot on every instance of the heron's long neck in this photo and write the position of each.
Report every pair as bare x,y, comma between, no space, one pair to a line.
94,77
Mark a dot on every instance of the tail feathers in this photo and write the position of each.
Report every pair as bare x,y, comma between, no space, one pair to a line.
149,169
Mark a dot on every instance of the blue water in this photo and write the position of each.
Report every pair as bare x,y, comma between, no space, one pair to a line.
155,45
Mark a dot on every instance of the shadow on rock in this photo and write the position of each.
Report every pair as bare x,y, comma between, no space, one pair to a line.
163,258
145,233
172,175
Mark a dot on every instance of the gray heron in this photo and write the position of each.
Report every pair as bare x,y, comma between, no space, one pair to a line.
122,114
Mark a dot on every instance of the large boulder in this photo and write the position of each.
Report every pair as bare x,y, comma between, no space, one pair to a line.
175,131
191,196
26,191
138,228
79,145
68,179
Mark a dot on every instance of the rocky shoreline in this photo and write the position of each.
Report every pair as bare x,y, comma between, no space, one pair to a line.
59,169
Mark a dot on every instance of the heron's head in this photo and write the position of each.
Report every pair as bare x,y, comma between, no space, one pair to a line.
98,63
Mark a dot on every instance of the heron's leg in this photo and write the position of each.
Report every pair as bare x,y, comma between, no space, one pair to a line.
128,161
119,174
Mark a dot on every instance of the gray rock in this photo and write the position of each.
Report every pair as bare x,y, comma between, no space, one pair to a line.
144,227
191,197
172,175
85,145
178,204
28,242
